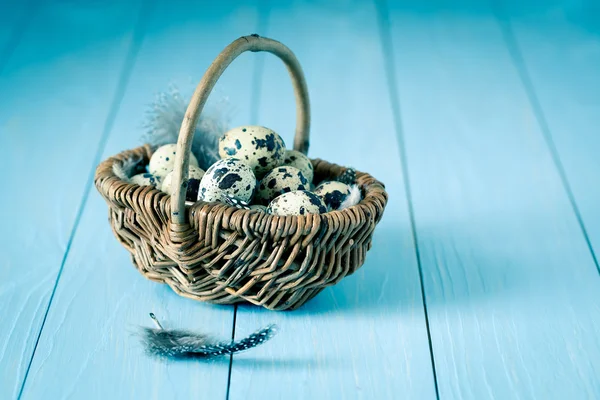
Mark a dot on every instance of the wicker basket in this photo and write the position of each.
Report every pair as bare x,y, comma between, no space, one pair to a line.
221,254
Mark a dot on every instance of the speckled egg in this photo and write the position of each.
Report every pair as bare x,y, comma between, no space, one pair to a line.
231,176
259,147
280,180
333,193
296,159
163,160
146,179
193,173
299,202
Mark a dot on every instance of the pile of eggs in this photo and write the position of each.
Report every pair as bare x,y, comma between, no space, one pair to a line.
255,171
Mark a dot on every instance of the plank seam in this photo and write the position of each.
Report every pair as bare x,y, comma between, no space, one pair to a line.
18,33
521,67
136,42
259,66
235,307
386,42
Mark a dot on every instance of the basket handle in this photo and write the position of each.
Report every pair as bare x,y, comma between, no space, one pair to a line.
252,43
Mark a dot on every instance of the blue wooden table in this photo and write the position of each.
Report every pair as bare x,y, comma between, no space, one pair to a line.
482,118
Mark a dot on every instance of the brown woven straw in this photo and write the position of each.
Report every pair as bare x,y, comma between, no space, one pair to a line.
221,254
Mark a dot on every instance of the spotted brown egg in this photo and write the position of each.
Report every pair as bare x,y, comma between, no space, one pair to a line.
146,179
280,180
230,176
259,147
299,202
333,193
193,173
163,160
299,160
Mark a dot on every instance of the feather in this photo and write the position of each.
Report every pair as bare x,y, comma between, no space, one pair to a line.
164,120
233,201
127,168
352,199
173,343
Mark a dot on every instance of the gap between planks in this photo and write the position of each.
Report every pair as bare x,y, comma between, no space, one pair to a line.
385,32
518,61
136,43
262,29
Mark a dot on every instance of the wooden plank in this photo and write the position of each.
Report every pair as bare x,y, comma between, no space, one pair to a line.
56,93
511,288
366,337
101,298
15,17
557,56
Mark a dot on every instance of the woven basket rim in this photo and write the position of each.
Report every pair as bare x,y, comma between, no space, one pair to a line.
223,254
105,176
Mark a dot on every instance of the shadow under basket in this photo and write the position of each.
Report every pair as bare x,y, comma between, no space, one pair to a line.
220,254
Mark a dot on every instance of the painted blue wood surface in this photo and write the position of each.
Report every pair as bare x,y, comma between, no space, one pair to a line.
14,20
366,337
109,291
558,56
99,284
57,87
510,285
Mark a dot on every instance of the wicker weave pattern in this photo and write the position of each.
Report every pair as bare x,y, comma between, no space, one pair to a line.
226,255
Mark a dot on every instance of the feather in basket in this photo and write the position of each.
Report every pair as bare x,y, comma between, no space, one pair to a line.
165,115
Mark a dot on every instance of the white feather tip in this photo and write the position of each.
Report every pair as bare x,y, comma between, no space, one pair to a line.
353,198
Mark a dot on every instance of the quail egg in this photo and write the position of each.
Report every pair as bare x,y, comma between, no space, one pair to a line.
193,173
333,193
299,160
163,160
146,179
230,176
259,147
280,180
299,202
